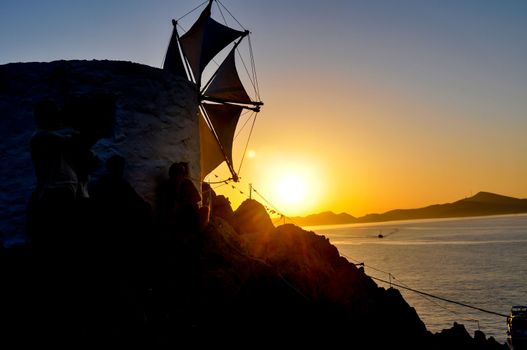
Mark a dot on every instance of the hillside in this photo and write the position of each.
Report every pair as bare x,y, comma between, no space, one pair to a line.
239,282
481,204
324,218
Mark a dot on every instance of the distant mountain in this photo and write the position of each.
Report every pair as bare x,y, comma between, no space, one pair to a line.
324,218
481,204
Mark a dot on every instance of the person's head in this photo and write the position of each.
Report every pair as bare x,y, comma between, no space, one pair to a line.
47,114
178,169
92,114
115,165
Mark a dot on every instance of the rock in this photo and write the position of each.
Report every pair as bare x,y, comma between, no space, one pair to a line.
221,207
252,218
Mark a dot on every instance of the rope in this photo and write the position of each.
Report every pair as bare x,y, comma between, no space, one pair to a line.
253,65
223,184
273,206
194,9
265,200
253,78
244,124
229,12
368,266
165,55
247,144
221,13
248,74
422,294
440,298
436,303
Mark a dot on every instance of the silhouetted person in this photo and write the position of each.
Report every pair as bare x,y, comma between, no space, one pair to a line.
122,247
52,224
123,212
93,116
178,200
176,278
53,201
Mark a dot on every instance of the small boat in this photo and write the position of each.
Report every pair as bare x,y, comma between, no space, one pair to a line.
517,327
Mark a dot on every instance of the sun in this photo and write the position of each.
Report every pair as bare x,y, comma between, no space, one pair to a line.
289,185
295,190
291,189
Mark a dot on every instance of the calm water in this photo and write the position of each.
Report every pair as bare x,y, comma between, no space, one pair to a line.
477,261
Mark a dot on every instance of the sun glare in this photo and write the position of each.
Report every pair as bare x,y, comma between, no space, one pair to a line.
291,189
251,154
295,188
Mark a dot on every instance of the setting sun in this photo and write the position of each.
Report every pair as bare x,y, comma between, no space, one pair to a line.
292,184
291,189
289,184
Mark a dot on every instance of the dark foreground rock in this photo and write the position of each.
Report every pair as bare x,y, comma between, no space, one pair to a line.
250,287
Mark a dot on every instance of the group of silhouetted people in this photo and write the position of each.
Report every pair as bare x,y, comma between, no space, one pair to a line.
94,237
64,161
67,211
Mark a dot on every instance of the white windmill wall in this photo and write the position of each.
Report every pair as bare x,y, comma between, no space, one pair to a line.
156,125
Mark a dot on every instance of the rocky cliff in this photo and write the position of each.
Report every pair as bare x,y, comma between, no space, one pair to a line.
240,282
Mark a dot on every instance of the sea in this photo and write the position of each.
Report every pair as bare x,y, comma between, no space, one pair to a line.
477,261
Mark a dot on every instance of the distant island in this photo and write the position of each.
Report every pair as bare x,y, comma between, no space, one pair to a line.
481,204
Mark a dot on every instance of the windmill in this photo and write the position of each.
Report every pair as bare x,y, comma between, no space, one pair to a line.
222,97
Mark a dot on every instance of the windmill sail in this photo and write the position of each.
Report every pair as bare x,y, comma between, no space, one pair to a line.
217,120
204,40
213,156
224,119
226,85
173,61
